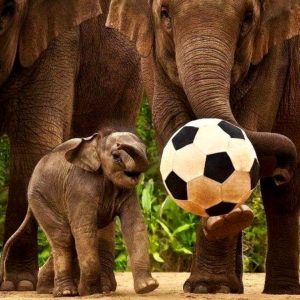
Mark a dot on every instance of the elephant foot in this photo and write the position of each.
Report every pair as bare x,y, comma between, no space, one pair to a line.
89,286
19,282
23,285
213,284
220,227
108,282
45,285
145,285
107,260
65,290
282,288
7,286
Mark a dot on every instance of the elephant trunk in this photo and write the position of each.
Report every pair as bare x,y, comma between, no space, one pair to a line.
134,158
205,59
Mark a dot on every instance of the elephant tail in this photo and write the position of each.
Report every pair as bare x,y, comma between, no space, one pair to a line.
10,242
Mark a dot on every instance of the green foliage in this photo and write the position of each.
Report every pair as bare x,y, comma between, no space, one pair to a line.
255,237
44,248
172,232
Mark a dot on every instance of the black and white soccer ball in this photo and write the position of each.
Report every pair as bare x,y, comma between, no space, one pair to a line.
209,167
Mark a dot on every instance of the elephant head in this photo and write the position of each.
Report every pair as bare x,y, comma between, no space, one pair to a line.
202,48
28,26
120,155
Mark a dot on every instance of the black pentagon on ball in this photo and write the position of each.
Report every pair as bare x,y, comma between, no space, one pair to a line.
218,167
222,208
184,137
254,174
233,131
176,186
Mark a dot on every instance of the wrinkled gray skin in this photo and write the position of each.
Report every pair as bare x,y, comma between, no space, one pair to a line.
79,188
58,80
237,61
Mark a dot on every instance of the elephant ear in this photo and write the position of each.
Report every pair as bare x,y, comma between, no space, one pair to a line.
46,19
280,20
85,154
133,19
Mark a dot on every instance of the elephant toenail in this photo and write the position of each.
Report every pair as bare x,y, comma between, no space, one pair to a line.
223,289
7,286
25,285
187,287
200,289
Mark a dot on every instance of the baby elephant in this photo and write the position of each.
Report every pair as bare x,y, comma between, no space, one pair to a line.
80,187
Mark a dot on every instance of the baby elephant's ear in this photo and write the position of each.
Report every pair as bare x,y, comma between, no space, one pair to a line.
85,154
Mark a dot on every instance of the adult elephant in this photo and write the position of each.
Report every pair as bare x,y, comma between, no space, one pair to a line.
62,74
238,61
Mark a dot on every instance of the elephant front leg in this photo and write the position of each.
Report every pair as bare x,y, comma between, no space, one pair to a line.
215,266
86,243
106,240
28,145
135,234
282,210
40,119
63,282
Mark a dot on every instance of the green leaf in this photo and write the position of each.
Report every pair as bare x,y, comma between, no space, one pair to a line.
157,257
147,196
183,228
165,228
184,250
165,205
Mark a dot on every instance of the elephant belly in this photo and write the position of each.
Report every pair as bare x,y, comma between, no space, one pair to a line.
105,218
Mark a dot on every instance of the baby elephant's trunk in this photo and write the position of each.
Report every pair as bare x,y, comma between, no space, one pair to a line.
134,157
10,242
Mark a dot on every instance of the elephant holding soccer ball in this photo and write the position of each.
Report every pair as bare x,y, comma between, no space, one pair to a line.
237,61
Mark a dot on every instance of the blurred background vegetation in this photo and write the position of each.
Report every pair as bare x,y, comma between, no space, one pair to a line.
172,232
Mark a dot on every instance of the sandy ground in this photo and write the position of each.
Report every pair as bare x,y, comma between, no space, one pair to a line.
170,289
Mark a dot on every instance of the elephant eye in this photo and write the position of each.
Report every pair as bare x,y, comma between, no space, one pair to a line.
6,13
247,22
164,12
116,157
166,18
248,16
8,10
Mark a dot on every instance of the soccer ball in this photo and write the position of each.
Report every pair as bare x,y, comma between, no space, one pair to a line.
209,167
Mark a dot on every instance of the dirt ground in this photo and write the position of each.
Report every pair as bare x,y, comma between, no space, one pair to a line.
170,289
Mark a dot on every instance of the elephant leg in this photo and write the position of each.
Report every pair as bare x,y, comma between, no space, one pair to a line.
40,119
106,240
214,266
22,264
45,282
106,250
86,244
282,210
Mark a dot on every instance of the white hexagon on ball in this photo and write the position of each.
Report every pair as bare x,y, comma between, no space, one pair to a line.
212,139
189,162
166,165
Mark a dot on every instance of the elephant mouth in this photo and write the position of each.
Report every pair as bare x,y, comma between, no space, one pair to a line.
133,175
